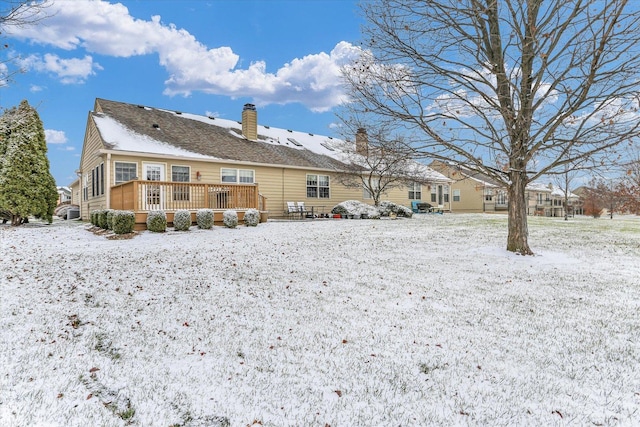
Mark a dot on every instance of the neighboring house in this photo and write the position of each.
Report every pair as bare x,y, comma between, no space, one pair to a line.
583,193
64,195
472,191
140,158
549,200
539,202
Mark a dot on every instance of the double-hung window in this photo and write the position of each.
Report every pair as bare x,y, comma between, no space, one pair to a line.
85,187
318,186
415,191
97,180
243,176
125,171
488,194
180,174
368,190
501,197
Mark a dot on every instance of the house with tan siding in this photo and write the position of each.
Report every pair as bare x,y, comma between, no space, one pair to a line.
472,191
549,200
140,158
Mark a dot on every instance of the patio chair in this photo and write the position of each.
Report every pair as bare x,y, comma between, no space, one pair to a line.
292,209
303,211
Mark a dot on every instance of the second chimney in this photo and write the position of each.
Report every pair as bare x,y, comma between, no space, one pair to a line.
362,142
250,122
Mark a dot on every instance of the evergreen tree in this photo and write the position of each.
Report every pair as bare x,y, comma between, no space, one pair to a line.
26,185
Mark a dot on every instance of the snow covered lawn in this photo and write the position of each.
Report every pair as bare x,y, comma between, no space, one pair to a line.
422,321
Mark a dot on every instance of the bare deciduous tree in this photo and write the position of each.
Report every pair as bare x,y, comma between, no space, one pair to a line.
378,161
514,88
628,187
17,13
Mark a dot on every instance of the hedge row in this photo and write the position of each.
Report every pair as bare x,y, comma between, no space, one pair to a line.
121,222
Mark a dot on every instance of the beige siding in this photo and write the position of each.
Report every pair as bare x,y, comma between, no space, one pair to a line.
278,184
89,160
471,190
471,196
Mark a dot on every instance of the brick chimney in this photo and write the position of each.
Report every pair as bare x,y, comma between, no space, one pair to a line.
362,142
250,122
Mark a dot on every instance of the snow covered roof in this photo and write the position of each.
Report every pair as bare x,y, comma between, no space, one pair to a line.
142,129
135,128
539,187
473,174
554,190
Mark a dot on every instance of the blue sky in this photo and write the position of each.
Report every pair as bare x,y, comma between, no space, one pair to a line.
200,56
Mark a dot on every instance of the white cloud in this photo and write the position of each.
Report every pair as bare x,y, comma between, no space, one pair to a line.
55,136
69,71
108,29
36,88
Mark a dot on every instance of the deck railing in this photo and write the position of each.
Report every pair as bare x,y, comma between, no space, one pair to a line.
142,196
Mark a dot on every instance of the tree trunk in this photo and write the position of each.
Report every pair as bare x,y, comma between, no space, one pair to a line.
16,220
517,240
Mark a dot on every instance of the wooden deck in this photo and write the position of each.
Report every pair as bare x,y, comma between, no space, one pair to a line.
144,196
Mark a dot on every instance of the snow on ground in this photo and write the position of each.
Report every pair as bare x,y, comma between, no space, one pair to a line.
422,321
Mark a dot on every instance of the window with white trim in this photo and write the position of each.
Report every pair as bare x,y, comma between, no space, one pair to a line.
415,191
501,197
375,185
125,171
180,174
97,180
244,176
456,195
318,186
488,194
85,187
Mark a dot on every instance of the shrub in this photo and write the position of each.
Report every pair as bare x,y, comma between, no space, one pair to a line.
92,217
386,208
102,218
182,220
204,218
157,221
356,208
230,218
110,219
123,222
95,217
251,217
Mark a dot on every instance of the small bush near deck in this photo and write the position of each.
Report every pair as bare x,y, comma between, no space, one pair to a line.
230,218
182,220
95,218
110,219
204,218
123,222
102,219
157,221
251,217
